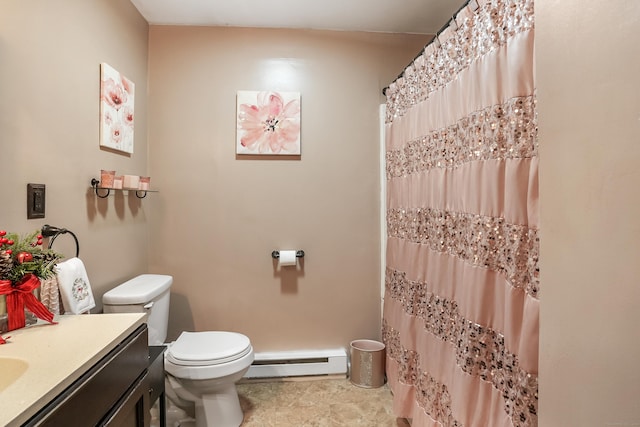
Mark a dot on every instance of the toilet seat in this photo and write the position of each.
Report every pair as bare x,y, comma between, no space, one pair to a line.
208,348
208,355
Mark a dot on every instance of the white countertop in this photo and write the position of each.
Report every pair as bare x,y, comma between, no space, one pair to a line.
40,361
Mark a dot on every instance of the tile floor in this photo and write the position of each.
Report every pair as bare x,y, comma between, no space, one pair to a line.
316,403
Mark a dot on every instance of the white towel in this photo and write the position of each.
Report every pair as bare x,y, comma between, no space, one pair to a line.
74,286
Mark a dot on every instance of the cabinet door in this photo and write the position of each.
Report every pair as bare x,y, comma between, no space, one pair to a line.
133,409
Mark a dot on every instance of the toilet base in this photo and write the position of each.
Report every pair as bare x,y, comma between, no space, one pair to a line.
177,417
220,409
208,390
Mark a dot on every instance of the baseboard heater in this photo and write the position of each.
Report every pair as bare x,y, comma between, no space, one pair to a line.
298,364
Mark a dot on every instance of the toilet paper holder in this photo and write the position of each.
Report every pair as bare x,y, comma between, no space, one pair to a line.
276,254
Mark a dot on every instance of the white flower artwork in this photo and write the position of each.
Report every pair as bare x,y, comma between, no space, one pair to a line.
268,123
116,110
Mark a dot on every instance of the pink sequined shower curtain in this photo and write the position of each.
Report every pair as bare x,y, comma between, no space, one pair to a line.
461,300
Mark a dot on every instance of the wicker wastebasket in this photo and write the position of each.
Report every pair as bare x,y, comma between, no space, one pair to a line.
367,363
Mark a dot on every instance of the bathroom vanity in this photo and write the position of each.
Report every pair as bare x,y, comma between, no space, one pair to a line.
87,370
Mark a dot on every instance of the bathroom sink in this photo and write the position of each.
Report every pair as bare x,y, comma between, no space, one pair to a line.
10,370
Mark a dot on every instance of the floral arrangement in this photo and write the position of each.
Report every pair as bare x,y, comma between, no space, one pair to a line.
22,255
23,263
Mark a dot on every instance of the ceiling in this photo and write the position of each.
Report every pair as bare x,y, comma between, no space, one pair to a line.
394,16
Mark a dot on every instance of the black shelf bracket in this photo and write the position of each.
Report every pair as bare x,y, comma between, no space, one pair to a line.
96,186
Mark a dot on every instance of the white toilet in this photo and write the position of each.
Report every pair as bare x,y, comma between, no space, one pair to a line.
201,368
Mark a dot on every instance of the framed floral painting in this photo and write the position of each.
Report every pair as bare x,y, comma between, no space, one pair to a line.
116,110
268,123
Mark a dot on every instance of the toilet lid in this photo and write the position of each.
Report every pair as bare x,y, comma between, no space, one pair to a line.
208,348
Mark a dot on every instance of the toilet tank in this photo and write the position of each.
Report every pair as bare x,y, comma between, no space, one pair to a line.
147,293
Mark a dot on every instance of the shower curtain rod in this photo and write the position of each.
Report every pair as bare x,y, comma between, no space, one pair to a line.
444,27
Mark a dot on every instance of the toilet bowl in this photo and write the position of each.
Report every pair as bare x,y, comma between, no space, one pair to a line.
201,368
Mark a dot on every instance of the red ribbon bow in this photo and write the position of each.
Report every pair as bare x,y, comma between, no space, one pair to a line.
20,296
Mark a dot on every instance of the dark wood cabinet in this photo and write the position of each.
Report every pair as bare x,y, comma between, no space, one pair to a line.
133,408
156,381
114,392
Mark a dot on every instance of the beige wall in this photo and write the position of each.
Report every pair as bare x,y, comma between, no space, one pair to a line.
218,216
50,55
588,65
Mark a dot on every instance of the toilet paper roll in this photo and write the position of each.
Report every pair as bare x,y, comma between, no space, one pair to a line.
287,258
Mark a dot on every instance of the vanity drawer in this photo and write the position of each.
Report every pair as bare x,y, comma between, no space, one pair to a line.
99,390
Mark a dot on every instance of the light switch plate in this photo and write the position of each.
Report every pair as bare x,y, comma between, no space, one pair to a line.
35,201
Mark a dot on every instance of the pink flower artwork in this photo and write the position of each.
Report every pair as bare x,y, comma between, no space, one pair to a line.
268,123
116,110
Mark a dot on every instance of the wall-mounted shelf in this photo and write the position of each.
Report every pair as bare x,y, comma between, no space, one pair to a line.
100,191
